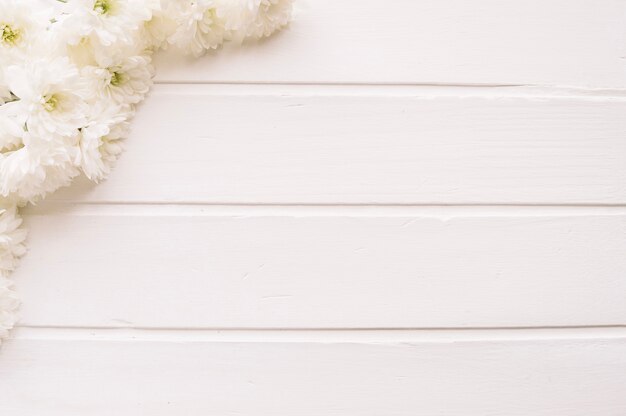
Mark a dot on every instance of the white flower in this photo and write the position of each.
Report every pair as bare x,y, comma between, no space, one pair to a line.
99,140
199,26
106,21
37,167
11,249
253,18
10,132
50,95
5,94
126,81
71,73
9,303
160,27
83,52
11,237
271,15
32,166
22,27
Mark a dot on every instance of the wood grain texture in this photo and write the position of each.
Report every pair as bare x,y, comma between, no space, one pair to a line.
543,42
379,165
200,144
517,378
163,267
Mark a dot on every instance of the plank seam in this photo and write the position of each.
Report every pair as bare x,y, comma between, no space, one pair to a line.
319,210
391,90
344,335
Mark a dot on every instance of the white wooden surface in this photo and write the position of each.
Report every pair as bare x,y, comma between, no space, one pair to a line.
206,375
152,266
241,144
531,42
392,208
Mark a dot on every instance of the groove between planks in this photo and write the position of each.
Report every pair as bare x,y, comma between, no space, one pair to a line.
318,210
389,90
342,335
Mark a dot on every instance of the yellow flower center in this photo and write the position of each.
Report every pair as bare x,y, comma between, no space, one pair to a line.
8,34
50,102
102,6
117,78
211,13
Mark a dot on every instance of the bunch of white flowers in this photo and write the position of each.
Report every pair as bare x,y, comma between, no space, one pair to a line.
71,73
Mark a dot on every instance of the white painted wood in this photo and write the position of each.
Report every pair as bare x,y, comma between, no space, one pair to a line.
156,266
546,377
543,42
268,200
296,145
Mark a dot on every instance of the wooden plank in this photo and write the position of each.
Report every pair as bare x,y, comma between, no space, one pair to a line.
165,266
199,144
535,42
517,378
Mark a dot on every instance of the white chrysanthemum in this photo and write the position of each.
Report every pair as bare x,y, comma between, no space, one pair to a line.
106,21
11,237
271,15
160,27
37,167
71,72
22,27
253,18
99,140
112,145
10,132
50,94
11,249
83,52
9,305
199,26
5,94
126,81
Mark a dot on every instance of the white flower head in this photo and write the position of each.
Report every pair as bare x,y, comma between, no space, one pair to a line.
254,18
160,27
71,74
11,132
37,167
23,25
11,249
99,141
50,95
199,26
9,302
271,15
5,93
105,22
125,81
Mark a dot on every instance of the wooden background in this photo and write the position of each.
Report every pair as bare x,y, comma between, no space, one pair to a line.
392,208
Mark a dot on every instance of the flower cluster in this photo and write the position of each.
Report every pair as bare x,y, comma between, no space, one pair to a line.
11,248
71,74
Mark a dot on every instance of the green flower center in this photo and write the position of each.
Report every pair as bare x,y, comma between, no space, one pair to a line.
8,34
102,6
117,78
50,102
